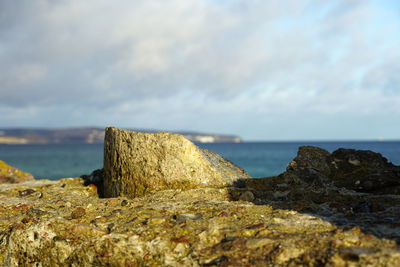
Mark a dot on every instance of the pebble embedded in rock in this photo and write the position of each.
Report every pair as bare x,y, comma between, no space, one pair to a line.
156,220
26,192
217,261
247,196
181,218
258,242
78,213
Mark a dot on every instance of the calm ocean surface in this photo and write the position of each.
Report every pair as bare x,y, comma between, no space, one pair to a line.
259,159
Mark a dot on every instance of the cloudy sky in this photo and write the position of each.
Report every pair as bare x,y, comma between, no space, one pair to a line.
262,69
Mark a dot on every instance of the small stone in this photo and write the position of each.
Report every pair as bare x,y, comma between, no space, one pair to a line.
217,261
223,214
181,218
181,239
78,213
247,196
29,220
228,239
350,240
258,242
354,162
156,220
288,253
26,192
23,207
255,226
181,248
249,232
110,227
36,212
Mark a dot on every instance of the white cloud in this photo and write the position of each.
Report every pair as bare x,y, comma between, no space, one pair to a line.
135,62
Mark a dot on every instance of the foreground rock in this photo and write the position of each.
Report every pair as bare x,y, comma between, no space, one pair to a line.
63,223
138,163
9,174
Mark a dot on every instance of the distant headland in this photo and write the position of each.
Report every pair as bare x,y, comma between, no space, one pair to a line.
91,135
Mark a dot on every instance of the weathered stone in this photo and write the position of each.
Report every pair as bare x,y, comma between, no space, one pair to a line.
258,242
9,174
138,163
78,213
247,196
309,157
364,171
358,170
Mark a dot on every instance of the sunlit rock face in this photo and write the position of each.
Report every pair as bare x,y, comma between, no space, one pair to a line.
137,163
64,223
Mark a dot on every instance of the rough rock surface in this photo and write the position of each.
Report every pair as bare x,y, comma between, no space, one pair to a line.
358,170
64,223
137,163
9,174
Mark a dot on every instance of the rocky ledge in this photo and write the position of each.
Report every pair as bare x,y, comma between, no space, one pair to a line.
321,211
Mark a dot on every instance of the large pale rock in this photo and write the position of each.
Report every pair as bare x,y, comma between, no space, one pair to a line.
136,163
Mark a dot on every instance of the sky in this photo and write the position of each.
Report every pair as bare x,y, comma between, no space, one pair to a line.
260,69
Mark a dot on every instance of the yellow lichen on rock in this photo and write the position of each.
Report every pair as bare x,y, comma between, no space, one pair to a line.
9,174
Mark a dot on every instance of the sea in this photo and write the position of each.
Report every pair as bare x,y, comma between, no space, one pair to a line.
259,159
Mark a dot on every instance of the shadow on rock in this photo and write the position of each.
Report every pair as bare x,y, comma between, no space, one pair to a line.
348,188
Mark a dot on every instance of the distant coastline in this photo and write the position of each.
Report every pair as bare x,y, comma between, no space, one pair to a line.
90,135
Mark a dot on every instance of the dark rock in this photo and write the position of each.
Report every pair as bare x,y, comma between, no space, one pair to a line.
362,207
358,170
350,187
364,171
95,178
309,157
26,192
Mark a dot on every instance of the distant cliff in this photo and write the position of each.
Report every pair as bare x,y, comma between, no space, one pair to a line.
89,136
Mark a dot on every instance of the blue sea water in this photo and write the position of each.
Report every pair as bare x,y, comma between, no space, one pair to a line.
259,159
